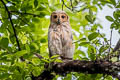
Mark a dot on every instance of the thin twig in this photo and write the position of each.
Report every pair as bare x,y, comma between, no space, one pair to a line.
66,5
62,7
9,16
103,37
110,39
110,44
107,57
71,4
40,57
25,13
117,47
76,41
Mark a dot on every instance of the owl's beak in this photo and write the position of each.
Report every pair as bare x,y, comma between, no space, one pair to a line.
58,22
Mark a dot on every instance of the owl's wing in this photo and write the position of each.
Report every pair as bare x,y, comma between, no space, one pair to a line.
68,47
50,53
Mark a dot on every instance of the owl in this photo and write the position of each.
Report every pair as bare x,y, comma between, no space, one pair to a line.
60,38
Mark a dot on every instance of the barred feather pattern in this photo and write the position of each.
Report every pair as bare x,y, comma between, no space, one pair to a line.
60,40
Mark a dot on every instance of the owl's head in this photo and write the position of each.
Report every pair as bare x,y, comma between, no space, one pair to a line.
59,17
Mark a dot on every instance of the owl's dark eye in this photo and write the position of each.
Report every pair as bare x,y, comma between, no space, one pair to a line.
63,17
55,16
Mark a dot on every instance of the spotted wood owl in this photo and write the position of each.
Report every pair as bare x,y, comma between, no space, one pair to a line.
60,36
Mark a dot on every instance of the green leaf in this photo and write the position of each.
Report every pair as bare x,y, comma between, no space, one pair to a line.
4,42
27,48
35,3
81,53
68,77
118,6
83,39
84,43
45,60
80,40
89,18
90,12
91,52
115,15
92,36
34,46
58,60
12,38
112,25
42,14
55,56
113,2
109,18
4,76
114,59
92,56
103,48
43,40
20,53
36,71
35,20
91,49
3,27
21,65
36,61
41,8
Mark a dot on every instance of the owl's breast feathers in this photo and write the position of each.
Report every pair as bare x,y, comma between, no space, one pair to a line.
63,32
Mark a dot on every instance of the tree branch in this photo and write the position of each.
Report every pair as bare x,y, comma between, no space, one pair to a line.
90,67
9,16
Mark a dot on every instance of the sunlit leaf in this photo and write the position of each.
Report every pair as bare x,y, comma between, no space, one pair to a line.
109,18
27,48
58,60
36,71
81,53
90,12
114,59
84,43
46,61
20,53
92,36
55,56
103,48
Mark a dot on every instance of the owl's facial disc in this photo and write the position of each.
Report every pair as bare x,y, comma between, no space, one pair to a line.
59,18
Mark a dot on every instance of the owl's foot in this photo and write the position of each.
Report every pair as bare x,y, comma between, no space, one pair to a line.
65,58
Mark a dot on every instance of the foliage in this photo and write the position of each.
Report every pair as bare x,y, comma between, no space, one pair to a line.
30,19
